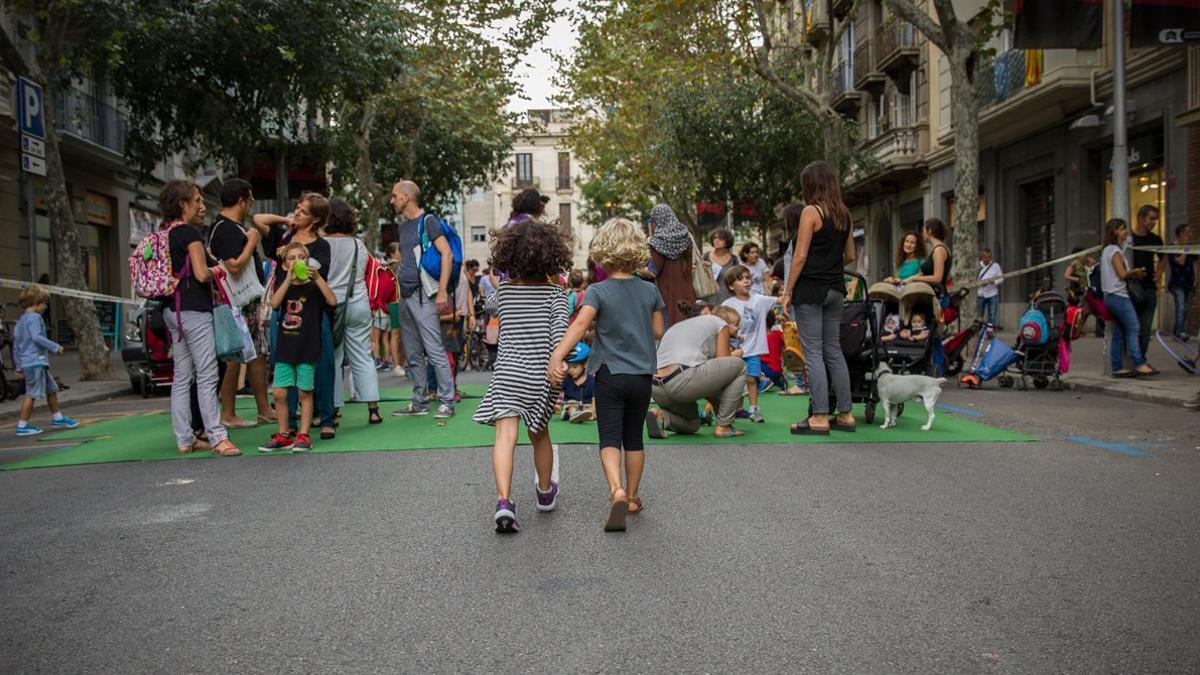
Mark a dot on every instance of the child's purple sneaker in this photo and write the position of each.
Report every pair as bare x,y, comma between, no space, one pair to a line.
548,500
506,517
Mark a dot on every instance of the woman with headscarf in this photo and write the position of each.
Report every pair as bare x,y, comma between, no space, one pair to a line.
671,261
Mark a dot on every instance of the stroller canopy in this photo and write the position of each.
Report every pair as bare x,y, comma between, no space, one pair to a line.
919,296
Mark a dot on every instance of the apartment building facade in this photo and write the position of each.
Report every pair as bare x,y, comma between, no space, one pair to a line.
540,160
1045,140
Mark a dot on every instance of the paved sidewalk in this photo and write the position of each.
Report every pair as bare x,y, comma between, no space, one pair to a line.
66,367
1172,386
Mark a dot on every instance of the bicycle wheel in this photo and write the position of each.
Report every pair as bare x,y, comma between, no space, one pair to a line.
1184,354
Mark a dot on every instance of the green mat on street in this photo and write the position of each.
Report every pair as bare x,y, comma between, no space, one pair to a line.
148,436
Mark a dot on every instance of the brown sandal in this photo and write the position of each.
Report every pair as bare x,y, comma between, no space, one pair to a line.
635,505
617,510
226,448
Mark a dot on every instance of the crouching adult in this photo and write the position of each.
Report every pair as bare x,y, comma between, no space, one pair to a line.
697,363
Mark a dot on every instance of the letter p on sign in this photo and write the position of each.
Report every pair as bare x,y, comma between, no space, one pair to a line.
31,108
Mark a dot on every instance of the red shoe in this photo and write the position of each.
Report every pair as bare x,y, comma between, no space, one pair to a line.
303,443
277,442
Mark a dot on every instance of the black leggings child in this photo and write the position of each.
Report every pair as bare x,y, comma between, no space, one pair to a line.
621,405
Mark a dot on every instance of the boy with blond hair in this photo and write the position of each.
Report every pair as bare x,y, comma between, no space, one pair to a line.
30,355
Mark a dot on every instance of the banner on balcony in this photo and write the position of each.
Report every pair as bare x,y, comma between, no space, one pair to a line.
1059,24
1164,23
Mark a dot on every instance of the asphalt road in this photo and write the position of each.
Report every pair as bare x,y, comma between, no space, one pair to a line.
1057,555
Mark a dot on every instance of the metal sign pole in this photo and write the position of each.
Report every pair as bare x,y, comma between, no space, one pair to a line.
1120,159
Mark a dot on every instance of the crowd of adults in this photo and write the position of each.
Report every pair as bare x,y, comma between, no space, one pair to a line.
349,333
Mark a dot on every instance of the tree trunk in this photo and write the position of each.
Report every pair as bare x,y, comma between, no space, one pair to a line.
835,143
965,117
372,191
93,353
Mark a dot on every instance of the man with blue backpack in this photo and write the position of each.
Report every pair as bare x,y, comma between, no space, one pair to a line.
431,253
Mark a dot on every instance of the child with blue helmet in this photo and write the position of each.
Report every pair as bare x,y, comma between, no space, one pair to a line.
579,387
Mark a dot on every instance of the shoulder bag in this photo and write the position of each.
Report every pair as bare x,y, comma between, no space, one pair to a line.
704,284
244,287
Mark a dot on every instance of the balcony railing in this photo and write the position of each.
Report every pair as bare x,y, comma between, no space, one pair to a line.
564,182
893,40
864,61
90,119
519,183
841,83
1001,79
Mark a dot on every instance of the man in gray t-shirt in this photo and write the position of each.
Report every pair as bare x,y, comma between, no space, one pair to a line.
420,320
409,233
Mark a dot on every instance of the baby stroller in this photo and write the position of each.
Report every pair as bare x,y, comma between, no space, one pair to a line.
862,322
149,363
990,358
1044,345
909,357
954,347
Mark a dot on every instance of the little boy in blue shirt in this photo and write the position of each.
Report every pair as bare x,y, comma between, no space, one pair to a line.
30,356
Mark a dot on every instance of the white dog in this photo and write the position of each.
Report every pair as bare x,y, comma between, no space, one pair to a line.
896,389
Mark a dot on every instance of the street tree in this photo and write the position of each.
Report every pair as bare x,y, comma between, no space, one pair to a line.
212,81
774,40
668,113
963,41
427,100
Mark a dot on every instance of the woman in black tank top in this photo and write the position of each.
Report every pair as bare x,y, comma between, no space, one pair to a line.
815,287
935,271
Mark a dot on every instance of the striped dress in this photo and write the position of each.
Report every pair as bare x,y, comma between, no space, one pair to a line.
533,319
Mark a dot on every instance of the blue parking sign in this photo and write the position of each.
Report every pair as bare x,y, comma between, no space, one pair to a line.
31,112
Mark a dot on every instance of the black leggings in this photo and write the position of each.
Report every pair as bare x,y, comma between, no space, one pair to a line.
621,405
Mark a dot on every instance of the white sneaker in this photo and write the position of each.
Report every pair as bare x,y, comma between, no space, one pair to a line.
399,371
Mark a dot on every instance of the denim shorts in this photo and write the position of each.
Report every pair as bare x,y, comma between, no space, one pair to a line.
39,382
753,366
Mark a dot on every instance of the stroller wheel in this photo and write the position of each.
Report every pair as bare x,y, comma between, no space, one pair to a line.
147,386
1040,382
869,412
1006,381
1056,385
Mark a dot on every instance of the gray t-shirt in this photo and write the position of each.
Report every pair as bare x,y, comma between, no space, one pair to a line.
690,342
624,332
410,247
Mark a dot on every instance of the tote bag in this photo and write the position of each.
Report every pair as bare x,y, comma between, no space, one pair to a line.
243,288
703,282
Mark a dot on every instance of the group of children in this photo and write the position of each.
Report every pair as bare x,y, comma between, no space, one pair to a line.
596,345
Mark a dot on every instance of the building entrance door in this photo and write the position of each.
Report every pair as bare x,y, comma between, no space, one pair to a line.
1037,211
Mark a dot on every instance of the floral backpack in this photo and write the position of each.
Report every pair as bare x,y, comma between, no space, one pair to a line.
150,265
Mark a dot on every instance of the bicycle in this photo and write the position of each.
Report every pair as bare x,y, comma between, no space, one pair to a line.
9,381
1185,354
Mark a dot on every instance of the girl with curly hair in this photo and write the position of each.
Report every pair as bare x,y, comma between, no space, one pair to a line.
533,314
628,316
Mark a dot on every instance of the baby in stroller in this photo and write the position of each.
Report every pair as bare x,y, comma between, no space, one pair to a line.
918,330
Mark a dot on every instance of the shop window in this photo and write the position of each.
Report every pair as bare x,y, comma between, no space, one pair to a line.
1147,186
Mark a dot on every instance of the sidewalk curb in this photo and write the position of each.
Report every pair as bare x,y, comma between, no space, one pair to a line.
117,390
1128,394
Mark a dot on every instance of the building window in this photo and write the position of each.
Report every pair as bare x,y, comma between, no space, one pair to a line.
524,169
478,234
564,215
564,171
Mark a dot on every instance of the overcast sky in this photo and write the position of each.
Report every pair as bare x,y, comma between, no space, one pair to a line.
536,75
